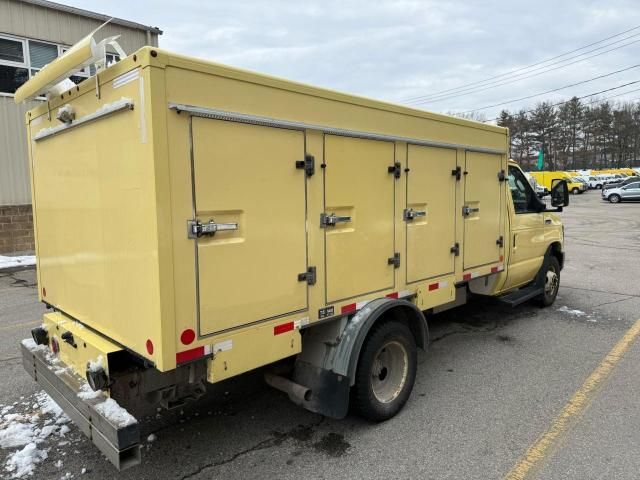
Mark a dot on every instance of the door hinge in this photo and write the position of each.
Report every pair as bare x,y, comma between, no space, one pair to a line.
501,176
455,249
309,276
457,173
308,165
500,241
396,169
196,228
395,260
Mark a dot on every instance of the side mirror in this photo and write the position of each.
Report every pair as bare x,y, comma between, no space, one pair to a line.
559,193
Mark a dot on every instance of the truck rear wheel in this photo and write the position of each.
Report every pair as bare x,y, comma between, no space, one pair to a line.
386,371
551,282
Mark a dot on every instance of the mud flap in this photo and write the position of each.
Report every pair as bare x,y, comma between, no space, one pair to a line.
120,444
329,390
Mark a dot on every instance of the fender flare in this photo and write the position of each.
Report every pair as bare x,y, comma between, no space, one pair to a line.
347,351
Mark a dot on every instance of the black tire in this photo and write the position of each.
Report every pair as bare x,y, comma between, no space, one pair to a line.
614,198
551,285
599,187
575,190
370,387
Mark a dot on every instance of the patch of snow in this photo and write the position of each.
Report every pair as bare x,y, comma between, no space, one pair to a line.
575,313
17,261
83,471
87,393
115,413
58,464
152,438
96,365
23,462
17,434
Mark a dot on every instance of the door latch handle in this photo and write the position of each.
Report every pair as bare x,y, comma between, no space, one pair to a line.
466,210
547,221
409,214
196,229
330,220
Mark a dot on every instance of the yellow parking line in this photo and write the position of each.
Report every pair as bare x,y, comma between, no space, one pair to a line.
18,325
575,406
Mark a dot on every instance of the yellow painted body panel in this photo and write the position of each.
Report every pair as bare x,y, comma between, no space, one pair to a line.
483,196
358,185
112,199
431,188
546,179
245,174
89,346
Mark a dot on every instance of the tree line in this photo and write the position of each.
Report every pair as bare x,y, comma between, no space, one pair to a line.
575,135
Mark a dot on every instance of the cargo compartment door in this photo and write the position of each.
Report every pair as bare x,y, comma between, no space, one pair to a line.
430,213
359,216
247,187
482,209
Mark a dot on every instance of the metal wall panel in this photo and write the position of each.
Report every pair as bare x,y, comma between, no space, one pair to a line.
14,169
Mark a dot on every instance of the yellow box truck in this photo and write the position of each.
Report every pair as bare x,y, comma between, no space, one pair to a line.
548,178
196,221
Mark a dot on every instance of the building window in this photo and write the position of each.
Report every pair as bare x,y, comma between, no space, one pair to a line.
21,59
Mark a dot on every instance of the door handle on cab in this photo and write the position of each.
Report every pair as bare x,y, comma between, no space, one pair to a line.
547,221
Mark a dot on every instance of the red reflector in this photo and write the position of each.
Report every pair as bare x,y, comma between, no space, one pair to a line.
348,308
149,347
494,269
285,327
433,286
44,292
188,336
501,258
466,276
189,355
393,295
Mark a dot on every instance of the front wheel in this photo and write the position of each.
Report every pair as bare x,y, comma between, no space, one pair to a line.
575,191
386,371
614,198
551,282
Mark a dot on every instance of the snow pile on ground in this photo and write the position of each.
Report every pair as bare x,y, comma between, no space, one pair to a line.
24,433
575,313
18,261
115,413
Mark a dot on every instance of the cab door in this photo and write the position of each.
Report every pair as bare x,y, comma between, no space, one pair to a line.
527,241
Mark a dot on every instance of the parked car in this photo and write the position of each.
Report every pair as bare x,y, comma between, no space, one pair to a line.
621,183
630,191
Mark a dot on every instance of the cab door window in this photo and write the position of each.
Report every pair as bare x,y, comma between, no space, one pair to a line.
524,198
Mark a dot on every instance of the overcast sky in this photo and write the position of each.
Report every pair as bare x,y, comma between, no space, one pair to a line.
398,50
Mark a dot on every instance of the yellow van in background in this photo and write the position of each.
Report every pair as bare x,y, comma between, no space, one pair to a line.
546,179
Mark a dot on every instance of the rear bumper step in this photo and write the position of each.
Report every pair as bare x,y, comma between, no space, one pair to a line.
120,444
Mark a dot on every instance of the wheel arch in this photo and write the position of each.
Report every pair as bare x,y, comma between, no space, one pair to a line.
555,249
345,360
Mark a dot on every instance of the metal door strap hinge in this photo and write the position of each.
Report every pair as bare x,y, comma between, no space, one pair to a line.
330,220
409,214
396,169
309,276
308,165
395,260
501,176
196,229
457,173
500,241
455,249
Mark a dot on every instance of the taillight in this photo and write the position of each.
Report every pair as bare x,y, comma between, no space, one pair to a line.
55,346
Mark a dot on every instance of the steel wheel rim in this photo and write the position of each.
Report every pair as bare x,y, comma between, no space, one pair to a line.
389,371
551,283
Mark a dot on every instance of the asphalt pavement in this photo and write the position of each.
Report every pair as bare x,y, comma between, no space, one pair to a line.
492,382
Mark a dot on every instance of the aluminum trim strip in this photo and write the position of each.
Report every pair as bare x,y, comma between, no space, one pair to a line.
120,105
275,122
